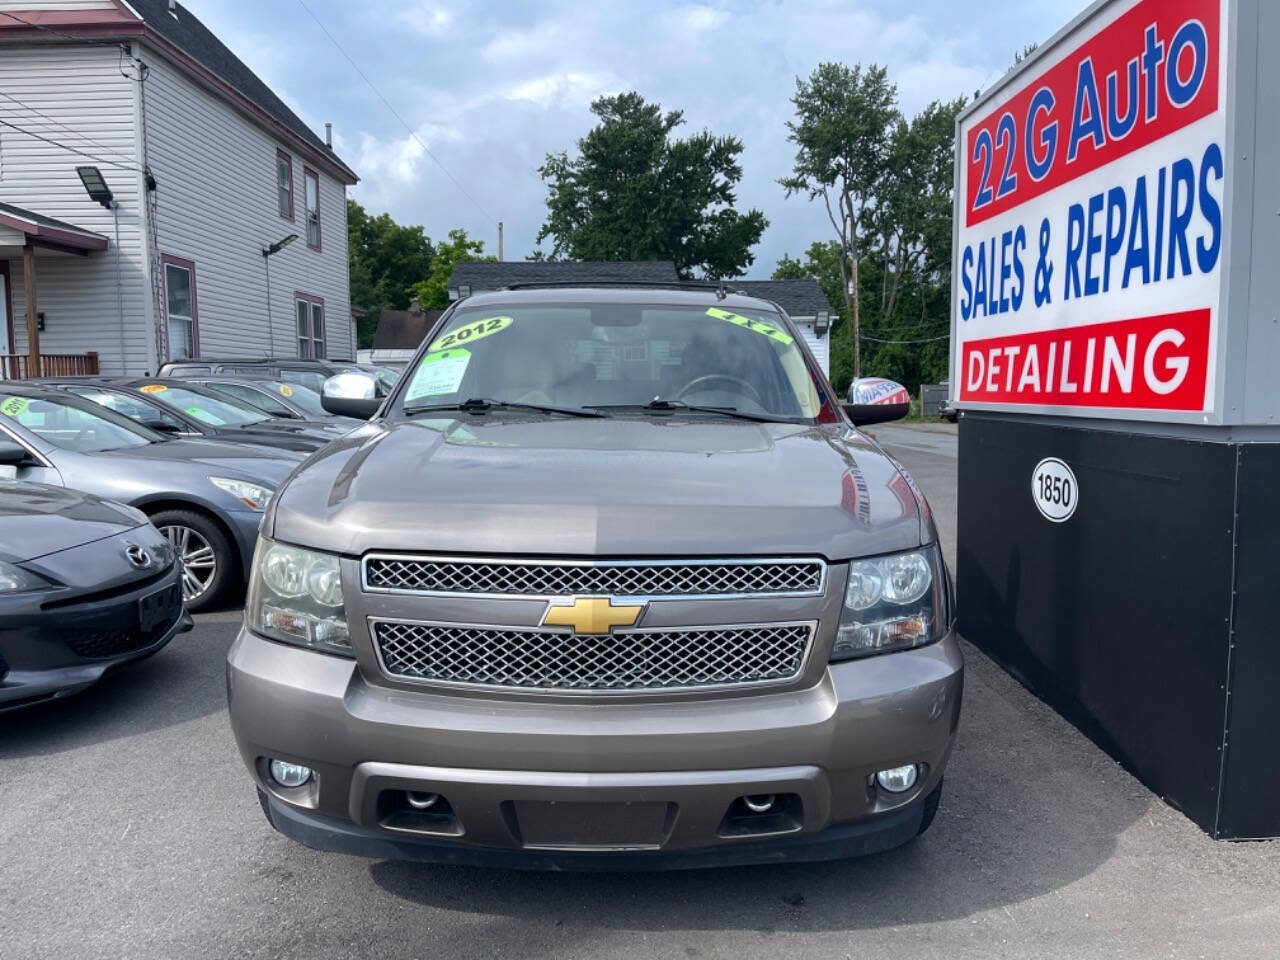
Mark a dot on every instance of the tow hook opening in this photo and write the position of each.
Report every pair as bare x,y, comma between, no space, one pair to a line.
417,811
762,814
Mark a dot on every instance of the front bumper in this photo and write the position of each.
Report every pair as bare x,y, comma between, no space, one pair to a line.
624,784
48,653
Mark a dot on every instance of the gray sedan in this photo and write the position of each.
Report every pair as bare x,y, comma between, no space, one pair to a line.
85,585
207,497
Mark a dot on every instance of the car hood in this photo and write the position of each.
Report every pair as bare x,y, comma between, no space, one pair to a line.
239,460
617,487
36,520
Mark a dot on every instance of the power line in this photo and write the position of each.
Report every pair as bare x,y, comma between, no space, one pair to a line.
925,340
387,104
44,116
69,148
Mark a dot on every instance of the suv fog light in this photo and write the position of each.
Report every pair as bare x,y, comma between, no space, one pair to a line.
898,779
289,774
761,803
422,801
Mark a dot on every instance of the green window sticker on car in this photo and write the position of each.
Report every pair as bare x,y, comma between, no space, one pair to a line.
755,326
15,406
439,373
204,416
468,332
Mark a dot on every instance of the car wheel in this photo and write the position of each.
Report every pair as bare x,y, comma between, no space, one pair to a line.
207,557
930,808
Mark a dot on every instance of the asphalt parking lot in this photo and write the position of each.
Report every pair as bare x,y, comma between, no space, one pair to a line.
130,829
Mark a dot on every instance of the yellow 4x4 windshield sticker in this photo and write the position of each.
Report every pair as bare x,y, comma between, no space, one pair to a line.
439,373
755,326
469,332
15,406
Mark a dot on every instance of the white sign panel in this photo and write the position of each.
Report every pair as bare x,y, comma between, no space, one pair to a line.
1089,222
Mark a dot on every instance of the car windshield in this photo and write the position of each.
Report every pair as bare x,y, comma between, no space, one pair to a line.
73,424
617,356
304,398
215,411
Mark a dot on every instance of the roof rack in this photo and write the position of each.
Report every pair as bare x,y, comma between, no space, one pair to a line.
714,285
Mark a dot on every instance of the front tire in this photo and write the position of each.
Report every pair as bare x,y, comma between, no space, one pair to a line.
208,559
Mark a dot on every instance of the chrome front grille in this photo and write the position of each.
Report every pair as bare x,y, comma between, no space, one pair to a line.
457,576
660,658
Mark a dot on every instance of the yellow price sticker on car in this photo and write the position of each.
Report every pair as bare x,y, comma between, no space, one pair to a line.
15,406
153,388
755,326
286,390
470,332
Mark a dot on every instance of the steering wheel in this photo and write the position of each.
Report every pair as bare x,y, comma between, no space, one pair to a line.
748,390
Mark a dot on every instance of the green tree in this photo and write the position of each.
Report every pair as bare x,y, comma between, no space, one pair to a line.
845,118
433,292
385,260
634,192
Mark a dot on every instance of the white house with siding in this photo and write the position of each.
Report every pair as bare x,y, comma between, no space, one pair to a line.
207,170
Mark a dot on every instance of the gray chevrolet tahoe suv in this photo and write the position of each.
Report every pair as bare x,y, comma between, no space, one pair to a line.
609,580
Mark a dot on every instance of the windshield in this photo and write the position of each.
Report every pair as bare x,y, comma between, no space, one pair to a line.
73,424
617,356
215,411
304,398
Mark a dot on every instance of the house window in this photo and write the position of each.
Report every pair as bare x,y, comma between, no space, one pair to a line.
313,208
310,326
180,304
284,183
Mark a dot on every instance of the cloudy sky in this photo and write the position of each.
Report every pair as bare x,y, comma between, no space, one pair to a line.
491,88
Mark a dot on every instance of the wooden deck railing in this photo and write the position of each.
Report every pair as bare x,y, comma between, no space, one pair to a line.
18,366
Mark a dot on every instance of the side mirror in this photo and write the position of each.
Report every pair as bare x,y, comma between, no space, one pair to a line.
351,395
876,400
12,454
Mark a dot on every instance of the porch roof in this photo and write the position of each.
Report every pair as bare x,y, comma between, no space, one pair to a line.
48,232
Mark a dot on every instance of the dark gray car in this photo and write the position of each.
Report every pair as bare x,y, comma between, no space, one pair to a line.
85,585
610,580
207,497
289,401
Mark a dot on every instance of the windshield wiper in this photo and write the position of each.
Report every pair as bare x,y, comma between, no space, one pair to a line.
484,405
666,406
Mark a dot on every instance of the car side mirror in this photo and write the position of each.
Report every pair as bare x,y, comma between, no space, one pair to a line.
351,395
876,400
13,454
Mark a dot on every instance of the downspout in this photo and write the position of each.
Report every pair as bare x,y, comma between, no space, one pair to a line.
124,350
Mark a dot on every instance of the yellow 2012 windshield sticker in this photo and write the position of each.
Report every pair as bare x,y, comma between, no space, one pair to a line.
15,406
755,326
439,373
153,388
470,332
286,390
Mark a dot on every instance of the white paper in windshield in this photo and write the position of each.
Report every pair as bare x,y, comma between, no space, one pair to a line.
439,373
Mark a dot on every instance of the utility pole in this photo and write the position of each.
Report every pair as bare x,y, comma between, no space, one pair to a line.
499,240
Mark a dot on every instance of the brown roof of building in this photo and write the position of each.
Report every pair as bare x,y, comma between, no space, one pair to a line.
403,329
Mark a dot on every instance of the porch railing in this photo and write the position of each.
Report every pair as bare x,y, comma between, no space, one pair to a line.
18,366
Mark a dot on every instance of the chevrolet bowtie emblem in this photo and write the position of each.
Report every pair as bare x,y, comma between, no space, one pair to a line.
591,614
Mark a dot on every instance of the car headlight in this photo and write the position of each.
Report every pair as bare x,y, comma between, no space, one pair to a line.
295,596
13,579
253,495
892,603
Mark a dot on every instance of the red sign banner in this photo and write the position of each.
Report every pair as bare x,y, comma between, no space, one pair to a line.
1153,363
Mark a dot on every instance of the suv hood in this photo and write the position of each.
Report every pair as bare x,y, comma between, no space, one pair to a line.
36,520
619,487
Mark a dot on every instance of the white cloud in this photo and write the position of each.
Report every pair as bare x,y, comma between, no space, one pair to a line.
562,89
427,19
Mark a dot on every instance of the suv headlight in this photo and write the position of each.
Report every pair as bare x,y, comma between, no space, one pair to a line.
253,495
891,603
13,579
295,596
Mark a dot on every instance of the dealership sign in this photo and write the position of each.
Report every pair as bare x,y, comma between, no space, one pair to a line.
1089,220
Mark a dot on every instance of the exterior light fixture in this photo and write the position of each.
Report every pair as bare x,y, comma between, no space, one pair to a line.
279,245
267,254
95,186
464,290
822,323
